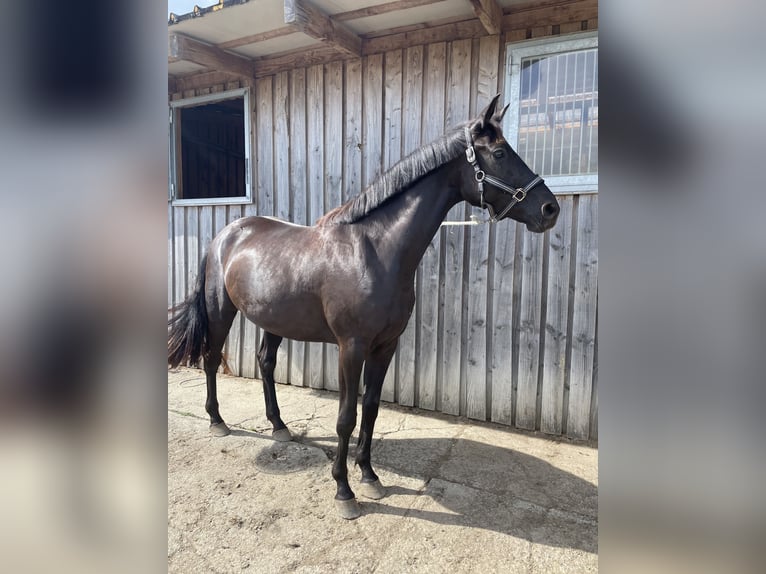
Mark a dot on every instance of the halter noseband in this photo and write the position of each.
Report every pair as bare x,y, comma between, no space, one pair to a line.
517,193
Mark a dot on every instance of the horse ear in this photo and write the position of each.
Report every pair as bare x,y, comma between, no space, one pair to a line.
498,117
486,115
489,111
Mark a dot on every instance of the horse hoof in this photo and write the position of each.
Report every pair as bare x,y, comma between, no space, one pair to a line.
281,435
373,490
219,429
348,509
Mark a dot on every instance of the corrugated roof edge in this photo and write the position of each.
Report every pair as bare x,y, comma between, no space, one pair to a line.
197,12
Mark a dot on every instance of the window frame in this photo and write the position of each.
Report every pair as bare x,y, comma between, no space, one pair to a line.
515,53
174,107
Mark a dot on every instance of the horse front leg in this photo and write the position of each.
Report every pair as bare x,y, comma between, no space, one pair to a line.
374,375
351,358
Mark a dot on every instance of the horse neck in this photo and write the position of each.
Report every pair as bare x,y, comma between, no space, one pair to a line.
403,228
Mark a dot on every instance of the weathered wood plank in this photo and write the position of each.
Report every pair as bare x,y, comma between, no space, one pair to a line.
298,212
372,94
556,321
264,144
453,242
372,128
392,149
179,247
594,391
234,342
529,330
333,141
299,58
185,48
281,162
206,215
333,101
219,220
583,318
478,363
315,189
432,127
216,80
502,327
490,14
570,27
307,18
263,204
430,36
352,146
253,38
412,92
532,16
191,235
392,126
383,8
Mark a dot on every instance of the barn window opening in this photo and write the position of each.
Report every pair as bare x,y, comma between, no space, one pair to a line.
553,87
210,149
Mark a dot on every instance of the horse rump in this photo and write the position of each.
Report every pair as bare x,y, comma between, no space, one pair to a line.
187,326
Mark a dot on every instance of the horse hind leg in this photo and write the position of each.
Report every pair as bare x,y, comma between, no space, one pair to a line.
221,312
267,360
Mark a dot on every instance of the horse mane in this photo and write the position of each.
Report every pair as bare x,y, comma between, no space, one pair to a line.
399,178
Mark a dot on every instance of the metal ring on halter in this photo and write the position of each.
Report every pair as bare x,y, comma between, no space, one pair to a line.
519,191
479,175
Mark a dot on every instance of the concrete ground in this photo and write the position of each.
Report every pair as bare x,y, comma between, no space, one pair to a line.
463,496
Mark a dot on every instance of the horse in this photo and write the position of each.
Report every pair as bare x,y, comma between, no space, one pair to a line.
349,279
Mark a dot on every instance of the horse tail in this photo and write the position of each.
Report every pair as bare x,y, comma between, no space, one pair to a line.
187,327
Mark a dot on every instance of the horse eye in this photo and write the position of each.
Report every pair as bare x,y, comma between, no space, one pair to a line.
499,153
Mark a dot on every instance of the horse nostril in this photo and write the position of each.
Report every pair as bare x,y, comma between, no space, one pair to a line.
550,210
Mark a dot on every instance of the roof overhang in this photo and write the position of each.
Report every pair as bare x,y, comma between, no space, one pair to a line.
253,38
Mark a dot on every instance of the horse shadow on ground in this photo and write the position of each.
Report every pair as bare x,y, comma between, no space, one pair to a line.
464,483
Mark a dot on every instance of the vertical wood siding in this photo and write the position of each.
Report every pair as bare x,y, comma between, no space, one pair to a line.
504,326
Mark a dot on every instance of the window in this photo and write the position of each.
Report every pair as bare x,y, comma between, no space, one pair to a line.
210,149
553,118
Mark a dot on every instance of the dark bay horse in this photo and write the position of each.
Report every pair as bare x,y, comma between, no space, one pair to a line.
349,279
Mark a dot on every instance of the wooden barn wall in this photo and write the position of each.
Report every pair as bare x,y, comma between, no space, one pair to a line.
504,327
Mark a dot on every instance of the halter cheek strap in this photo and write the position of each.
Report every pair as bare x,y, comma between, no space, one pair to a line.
517,193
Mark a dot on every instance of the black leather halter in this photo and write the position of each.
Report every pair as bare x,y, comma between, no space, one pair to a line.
517,193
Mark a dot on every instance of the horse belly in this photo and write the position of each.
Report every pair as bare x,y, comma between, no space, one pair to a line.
279,307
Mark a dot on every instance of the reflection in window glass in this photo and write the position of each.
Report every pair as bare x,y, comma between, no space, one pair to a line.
558,113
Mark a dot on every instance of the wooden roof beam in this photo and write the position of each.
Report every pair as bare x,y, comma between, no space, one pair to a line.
307,18
490,13
182,47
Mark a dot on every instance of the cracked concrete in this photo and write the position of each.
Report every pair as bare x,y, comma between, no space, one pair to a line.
463,496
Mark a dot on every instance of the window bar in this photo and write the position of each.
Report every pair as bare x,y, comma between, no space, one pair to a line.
537,116
526,73
594,88
564,123
542,94
557,59
582,56
571,131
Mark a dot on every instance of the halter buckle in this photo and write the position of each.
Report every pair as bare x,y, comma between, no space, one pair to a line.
470,154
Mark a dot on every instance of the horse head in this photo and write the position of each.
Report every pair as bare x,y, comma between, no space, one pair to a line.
495,178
